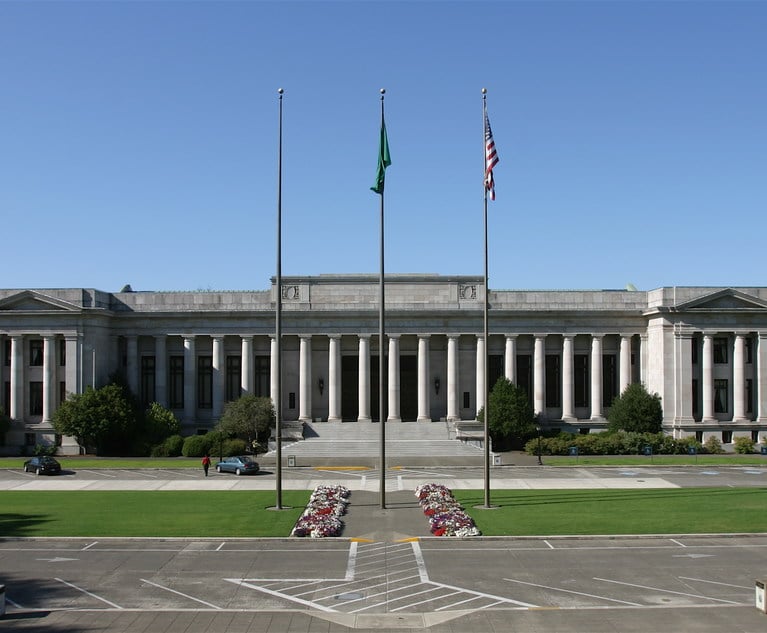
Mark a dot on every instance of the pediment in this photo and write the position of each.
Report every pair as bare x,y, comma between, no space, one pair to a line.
724,300
33,301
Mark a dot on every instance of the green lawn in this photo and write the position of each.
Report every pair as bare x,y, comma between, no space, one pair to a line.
230,514
664,511
227,514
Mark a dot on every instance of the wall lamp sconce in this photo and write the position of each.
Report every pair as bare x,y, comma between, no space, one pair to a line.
321,385
436,386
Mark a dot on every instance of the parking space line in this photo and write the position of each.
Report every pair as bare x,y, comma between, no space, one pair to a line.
178,593
677,593
97,472
88,593
89,545
714,582
577,593
673,540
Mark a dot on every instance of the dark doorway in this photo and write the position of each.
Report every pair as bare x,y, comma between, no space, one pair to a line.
350,388
408,388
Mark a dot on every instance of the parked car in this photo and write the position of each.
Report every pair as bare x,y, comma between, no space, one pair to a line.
239,465
42,465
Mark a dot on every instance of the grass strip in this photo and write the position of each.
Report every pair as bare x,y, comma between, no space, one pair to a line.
229,513
620,511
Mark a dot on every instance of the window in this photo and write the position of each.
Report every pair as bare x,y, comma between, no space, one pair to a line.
233,377
36,352
581,380
553,381
176,386
262,377
755,436
7,353
525,375
749,395
720,351
466,399
63,353
695,399
292,400
721,396
35,398
609,379
694,351
62,392
147,380
749,351
699,436
205,382
726,437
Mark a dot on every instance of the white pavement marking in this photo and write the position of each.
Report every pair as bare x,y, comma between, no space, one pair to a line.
90,545
178,593
676,593
88,593
673,540
308,603
11,602
352,561
98,472
577,593
714,582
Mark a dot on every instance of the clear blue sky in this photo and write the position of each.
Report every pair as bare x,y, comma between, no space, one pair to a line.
139,142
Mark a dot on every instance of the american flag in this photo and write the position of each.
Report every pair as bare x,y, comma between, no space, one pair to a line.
491,159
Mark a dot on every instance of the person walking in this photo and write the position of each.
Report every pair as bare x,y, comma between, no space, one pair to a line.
206,463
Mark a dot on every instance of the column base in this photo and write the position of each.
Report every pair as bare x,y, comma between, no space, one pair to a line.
393,419
335,418
423,418
364,418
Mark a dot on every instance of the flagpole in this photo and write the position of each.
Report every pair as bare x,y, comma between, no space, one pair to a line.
278,321
381,341
486,347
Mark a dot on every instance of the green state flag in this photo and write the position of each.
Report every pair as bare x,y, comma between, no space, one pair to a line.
384,160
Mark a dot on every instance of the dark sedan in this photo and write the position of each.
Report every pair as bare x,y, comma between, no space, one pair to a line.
42,465
239,465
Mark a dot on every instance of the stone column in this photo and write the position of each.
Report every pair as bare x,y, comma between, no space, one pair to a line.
161,370
643,363
683,378
394,378
708,378
510,359
480,373
363,373
190,375
131,368
218,377
424,392
305,379
761,377
452,378
739,380
72,372
568,411
625,364
334,378
49,377
596,377
539,374
248,379
17,377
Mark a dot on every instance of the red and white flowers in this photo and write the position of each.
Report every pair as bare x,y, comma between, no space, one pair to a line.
446,515
321,517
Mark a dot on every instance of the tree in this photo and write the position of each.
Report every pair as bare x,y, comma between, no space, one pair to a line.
247,417
636,410
160,423
511,414
100,419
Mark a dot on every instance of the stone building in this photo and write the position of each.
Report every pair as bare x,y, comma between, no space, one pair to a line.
703,350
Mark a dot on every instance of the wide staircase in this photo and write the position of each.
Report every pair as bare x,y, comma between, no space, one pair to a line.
359,443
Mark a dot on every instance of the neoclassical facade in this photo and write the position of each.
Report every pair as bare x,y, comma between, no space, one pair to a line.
703,350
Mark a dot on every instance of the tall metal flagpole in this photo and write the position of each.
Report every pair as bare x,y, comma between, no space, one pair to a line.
381,341
278,320
486,347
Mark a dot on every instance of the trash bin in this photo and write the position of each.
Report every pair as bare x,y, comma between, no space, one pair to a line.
760,601
496,460
292,461
2,600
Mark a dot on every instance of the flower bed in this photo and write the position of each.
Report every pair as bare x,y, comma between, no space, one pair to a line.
446,515
322,514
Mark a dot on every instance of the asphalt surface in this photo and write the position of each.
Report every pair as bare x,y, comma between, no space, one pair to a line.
387,573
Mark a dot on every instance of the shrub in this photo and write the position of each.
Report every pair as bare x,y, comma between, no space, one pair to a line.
235,446
196,446
170,447
713,446
744,445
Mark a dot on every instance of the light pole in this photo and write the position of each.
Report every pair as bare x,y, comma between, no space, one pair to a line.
538,428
